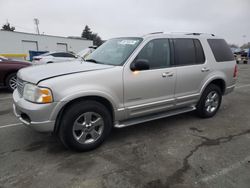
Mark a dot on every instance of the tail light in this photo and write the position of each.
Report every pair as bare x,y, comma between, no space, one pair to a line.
37,58
235,71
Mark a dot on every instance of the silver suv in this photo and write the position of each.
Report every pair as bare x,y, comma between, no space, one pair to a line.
126,81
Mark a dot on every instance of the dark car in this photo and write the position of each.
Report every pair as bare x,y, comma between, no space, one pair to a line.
8,70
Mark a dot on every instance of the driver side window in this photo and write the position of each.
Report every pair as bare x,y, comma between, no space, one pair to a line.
157,53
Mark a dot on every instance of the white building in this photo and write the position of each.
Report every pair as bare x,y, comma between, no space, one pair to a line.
22,43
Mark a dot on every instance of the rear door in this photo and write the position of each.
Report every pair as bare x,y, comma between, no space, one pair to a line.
191,68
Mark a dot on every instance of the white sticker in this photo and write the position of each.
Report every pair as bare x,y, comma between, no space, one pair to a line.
129,42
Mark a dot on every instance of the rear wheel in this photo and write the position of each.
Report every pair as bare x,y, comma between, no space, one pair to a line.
85,125
209,102
11,82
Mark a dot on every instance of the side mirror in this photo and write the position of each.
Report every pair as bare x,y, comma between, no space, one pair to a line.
139,64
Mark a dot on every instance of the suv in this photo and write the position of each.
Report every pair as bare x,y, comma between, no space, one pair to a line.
126,81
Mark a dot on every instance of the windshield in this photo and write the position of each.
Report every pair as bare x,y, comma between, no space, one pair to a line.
114,51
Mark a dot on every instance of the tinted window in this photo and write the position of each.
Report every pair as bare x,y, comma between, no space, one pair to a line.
157,53
200,57
188,52
68,55
56,55
62,55
220,50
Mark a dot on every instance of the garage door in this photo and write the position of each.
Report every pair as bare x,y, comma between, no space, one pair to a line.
29,45
62,47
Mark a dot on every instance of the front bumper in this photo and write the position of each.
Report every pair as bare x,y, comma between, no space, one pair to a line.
36,116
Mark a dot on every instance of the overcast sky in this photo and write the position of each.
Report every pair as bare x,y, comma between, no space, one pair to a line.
112,18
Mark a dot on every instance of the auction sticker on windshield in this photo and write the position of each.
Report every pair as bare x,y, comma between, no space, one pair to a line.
128,42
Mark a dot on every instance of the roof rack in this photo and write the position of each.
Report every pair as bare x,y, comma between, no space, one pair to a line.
154,33
199,34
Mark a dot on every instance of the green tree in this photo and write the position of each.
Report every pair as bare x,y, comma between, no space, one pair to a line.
97,41
86,32
7,27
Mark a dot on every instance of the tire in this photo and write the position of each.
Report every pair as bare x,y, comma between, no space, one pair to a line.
245,62
85,125
49,62
11,82
210,101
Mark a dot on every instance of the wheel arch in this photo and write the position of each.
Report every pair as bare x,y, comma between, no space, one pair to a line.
104,101
218,81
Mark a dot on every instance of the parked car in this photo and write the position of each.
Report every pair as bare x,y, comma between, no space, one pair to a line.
53,57
8,70
126,81
84,53
244,55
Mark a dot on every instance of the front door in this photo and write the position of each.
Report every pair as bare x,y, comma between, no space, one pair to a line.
150,91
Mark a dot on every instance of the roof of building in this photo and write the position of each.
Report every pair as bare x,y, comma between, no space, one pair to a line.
34,34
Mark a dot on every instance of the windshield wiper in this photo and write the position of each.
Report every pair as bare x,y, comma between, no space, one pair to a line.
92,60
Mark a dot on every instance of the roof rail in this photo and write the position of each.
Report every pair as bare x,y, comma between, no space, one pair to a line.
154,33
199,34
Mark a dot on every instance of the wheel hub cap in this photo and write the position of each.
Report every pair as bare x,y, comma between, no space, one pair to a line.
212,102
88,127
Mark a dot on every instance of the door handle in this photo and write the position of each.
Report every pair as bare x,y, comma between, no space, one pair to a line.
167,74
205,69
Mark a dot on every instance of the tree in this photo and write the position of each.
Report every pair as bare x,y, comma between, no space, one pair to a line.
97,41
88,34
244,46
7,27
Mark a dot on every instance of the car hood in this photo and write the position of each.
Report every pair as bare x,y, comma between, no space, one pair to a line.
34,74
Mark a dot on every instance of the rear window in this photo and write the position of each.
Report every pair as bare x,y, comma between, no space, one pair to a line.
188,52
221,50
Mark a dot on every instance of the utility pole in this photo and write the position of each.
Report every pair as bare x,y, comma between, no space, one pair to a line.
36,21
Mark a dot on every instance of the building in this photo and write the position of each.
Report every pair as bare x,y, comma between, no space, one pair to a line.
21,43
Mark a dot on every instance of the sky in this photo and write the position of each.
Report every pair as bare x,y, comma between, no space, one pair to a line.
114,18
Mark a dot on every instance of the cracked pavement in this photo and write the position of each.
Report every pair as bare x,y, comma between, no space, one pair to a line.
180,151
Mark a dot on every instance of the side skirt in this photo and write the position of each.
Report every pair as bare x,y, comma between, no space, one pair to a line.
142,119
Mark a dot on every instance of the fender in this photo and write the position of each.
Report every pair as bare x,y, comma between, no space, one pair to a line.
73,96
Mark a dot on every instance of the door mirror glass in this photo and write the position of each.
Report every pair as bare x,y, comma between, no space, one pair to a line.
139,64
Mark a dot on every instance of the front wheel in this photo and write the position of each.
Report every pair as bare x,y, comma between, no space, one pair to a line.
11,82
85,125
209,102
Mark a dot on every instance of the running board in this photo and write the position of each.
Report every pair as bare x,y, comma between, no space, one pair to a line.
153,117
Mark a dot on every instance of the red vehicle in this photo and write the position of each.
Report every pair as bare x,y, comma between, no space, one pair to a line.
8,70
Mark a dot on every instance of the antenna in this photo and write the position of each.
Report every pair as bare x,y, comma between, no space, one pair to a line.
36,21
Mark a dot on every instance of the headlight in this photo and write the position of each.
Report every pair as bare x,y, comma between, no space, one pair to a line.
37,94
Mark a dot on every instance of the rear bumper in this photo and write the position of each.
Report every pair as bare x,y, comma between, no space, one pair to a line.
35,116
229,89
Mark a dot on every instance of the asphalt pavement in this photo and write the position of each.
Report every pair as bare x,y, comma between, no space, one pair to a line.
179,151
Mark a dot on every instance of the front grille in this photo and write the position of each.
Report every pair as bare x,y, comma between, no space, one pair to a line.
20,86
